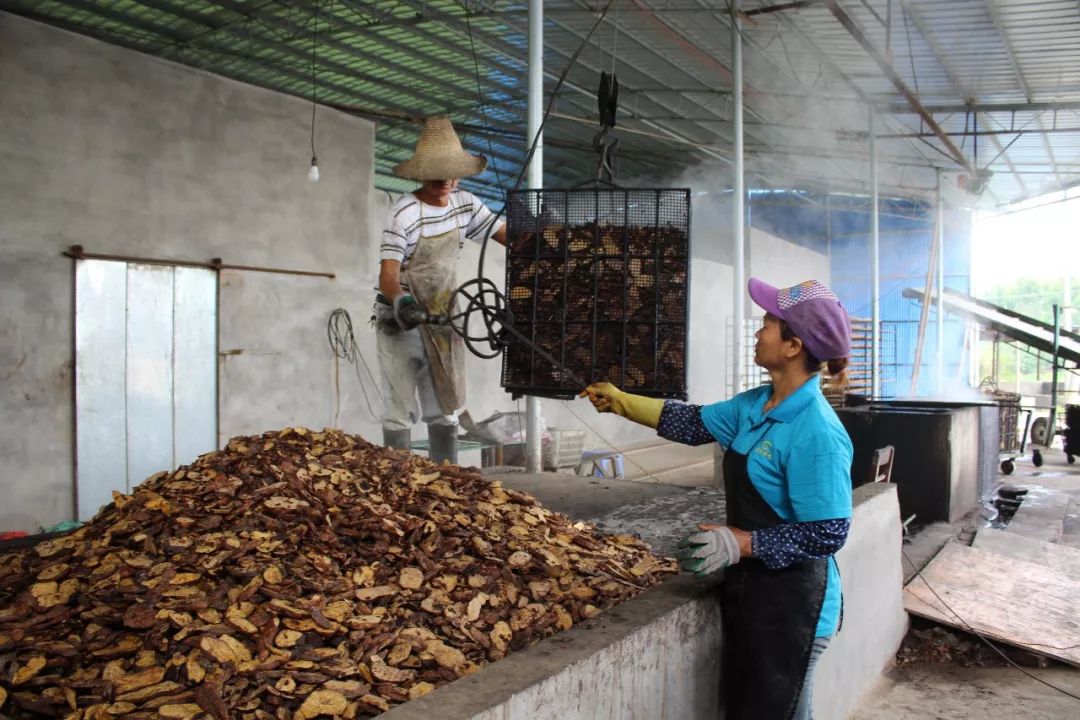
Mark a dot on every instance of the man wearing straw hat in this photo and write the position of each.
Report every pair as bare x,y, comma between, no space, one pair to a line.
421,246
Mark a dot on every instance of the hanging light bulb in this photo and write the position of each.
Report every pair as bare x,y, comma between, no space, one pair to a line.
313,171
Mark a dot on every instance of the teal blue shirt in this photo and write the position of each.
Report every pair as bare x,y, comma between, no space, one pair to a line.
799,460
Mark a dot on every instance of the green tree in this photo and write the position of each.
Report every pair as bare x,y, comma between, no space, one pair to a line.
1034,298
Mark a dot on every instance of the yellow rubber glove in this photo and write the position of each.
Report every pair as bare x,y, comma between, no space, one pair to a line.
605,397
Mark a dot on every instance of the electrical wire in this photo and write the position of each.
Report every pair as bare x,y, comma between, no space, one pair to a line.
314,85
982,637
339,332
615,40
480,97
911,52
613,446
481,296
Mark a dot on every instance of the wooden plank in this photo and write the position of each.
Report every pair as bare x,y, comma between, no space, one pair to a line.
1041,515
1012,601
1065,560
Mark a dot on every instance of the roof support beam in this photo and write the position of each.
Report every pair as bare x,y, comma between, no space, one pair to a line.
983,133
297,74
381,38
769,9
845,78
961,89
991,6
498,46
1067,105
897,82
452,21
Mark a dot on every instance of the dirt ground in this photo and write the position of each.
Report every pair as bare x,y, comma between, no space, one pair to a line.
951,691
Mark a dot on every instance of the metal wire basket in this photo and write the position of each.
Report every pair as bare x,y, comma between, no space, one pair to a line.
600,280
1009,435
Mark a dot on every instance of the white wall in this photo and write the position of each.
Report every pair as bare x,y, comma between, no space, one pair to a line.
783,263
125,154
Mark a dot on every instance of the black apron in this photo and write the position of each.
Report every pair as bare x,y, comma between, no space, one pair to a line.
770,617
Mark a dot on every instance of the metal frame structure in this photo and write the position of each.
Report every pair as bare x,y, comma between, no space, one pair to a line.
939,75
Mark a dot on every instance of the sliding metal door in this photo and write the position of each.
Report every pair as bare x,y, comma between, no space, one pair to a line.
145,374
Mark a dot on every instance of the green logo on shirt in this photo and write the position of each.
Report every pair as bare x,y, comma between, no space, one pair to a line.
765,450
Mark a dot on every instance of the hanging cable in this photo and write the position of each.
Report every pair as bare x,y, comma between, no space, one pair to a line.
481,297
313,171
480,97
339,332
615,40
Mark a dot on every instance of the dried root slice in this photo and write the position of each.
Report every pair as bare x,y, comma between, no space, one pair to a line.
295,574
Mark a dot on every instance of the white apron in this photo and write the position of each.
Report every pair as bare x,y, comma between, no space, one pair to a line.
432,279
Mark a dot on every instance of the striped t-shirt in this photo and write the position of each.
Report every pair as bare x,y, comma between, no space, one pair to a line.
409,219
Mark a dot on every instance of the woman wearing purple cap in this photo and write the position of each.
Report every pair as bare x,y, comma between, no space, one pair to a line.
787,479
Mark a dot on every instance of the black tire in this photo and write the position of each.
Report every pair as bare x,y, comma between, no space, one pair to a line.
1039,429
1070,458
1036,458
1007,467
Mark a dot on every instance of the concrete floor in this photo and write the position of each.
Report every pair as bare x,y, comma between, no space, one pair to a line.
955,692
668,463
951,692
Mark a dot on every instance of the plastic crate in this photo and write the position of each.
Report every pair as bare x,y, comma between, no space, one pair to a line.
564,449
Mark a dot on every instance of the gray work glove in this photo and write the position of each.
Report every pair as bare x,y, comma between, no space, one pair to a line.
408,312
707,551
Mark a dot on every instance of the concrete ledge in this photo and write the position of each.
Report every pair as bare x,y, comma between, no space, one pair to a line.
874,619
655,656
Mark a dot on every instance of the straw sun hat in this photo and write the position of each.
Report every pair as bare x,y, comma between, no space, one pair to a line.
439,155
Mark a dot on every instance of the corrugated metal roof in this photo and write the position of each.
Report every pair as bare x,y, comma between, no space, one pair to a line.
809,81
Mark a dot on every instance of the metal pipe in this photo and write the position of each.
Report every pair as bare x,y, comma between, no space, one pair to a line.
535,181
1054,377
875,264
983,133
924,308
940,220
76,252
943,108
1067,319
1016,380
737,202
781,7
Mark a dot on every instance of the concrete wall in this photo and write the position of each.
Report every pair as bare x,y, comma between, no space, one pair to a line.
965,462
940,467
783,263
656,657
126,154
874,617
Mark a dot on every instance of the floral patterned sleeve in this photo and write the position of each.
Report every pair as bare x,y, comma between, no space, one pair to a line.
789,543
682,423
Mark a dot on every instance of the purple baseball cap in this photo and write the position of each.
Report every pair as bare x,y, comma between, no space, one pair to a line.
813,313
